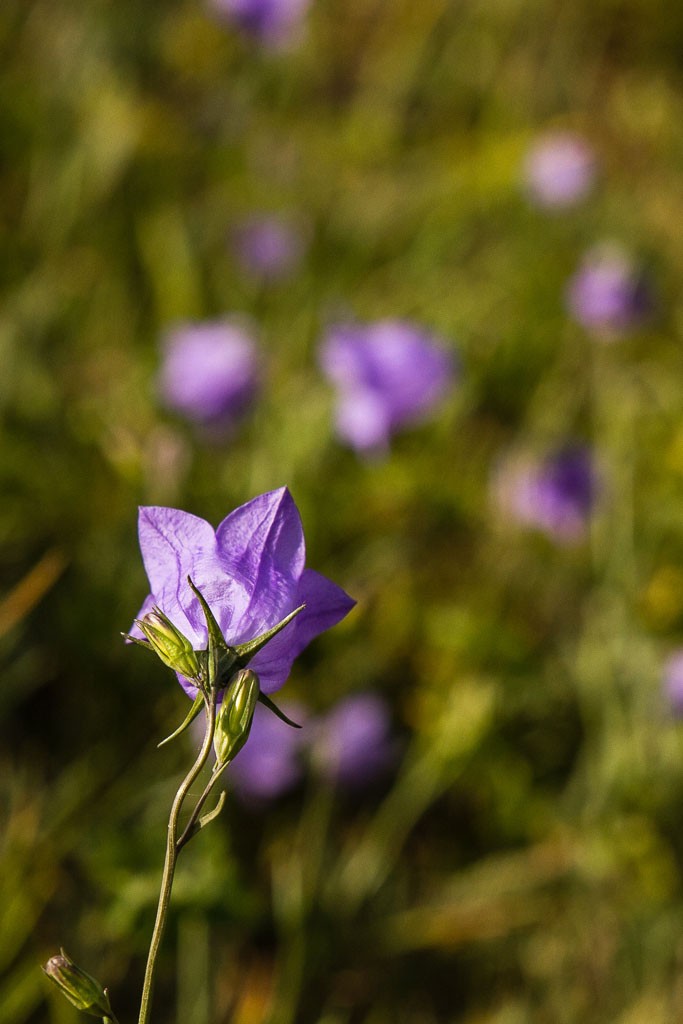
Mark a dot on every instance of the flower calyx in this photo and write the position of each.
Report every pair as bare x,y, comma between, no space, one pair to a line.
213,669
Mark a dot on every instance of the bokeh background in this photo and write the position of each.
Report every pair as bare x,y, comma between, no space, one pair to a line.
517,855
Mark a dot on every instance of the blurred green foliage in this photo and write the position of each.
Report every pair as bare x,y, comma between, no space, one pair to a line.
524,864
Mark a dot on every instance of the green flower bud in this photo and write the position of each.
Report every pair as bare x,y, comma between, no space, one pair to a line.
233,721
169,644
79,987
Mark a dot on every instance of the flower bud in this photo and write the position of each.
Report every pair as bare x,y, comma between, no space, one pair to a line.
233,721
174,649
79,987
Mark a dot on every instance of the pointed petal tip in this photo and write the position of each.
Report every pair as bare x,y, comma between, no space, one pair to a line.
279,496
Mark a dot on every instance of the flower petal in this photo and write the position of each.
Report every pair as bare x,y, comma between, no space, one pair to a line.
262,544
326,605
363,420
175,544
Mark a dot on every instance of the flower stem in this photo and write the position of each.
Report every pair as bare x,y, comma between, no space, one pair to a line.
192,820
172,851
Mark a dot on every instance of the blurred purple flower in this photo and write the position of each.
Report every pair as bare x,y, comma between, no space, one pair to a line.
272,22
388,374
353,743
608,295
250,571
270,763
209,372
673,682
268,248
351,746
555,495
559,169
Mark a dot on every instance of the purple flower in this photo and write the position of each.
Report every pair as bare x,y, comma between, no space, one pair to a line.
555,495
270,763
559,170
272,22
388,374
209,372
268,248
608,295
353,743
251,572
673,682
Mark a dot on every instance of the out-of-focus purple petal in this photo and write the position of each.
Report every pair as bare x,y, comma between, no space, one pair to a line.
270,764
342,355
556,494
363,420
388,374
673,682
209,372
608,295
272,22
353,742
268,247
559,170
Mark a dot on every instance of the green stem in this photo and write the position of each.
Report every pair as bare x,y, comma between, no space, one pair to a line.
172,850
189,828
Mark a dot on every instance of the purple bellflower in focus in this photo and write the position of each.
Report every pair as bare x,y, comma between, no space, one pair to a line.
209,373
555,495
559,170
673,682
271,22
251,572
608,295
271,763
268,248
387,374
353,743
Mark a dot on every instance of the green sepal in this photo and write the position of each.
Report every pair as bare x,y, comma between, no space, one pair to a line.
217,642
136,640
215,634
278,712
245,652
191,715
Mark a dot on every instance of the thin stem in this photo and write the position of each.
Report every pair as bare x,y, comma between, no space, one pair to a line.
188,831
172,851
